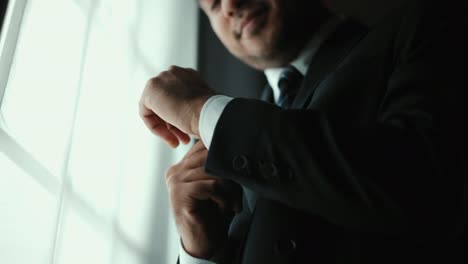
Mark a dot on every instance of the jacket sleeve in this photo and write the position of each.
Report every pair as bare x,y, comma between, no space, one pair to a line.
402,174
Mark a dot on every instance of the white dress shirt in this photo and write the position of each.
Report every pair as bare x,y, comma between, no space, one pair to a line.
214,106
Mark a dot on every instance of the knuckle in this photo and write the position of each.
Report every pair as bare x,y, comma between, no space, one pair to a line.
184,163
191,174
190,69
172,190
141,114
173,68
148,83
155,81
146,103
143,104
170,173
213,185
187,212
186,175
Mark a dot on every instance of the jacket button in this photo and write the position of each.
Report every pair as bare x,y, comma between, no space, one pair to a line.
240,163
273,171
285,246
268,170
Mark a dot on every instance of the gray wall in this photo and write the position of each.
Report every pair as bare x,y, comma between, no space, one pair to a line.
229,76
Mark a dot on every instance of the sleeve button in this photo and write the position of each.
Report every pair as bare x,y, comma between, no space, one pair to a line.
286,246
240,163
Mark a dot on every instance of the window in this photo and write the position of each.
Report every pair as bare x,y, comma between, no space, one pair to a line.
81,179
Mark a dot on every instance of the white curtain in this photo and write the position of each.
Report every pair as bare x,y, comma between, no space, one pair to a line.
81,178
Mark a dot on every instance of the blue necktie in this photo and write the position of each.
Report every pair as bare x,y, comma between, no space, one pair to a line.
289,82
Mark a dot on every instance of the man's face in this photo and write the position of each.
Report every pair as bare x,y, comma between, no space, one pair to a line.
262,33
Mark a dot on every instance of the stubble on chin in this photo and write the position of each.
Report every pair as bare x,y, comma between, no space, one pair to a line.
268,49
282,37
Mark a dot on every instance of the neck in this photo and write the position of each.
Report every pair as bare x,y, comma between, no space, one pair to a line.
304,27
313,23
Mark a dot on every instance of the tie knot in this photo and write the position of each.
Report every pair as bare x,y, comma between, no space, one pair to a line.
289,81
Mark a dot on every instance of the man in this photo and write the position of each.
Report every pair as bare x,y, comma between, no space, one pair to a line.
358,154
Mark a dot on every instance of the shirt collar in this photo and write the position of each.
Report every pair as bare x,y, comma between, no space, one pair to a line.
301,63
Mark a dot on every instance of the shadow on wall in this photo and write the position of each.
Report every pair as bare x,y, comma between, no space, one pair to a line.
229,76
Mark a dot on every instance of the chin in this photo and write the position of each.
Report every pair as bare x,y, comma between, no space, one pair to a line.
262,62
267,50
262,55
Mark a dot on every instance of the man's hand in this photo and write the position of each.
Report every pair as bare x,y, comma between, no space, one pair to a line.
203,206
171,104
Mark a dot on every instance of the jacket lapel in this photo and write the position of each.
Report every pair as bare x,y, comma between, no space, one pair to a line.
330,54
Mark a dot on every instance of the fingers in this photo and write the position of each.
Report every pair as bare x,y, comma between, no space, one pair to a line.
197,184
159,128
176,69
187,172
180,70
226,194
203,189
175,96
195,148
195,157
197,174
182,137
217,190
170,134
210,190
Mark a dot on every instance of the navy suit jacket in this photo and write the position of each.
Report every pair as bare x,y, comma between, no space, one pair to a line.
369,165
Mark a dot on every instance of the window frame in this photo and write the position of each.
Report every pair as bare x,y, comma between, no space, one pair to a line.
9,37
11,29
3,7
67,197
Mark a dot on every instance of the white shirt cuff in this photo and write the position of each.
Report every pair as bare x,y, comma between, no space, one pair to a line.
209,116
185,258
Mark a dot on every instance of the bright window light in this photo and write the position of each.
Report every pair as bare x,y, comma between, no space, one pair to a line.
82,243
81,177
46,65
27,231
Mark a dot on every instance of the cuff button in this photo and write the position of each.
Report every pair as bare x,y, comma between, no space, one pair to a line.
286,246
240,163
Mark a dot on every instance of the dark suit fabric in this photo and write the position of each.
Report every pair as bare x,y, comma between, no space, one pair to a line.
369,164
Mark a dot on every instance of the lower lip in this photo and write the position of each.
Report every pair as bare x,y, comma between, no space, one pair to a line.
253,24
